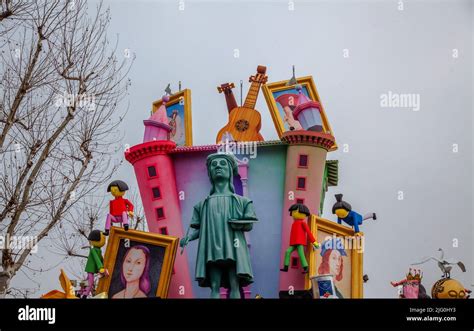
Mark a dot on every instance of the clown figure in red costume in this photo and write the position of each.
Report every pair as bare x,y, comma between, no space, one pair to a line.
299,235
120,209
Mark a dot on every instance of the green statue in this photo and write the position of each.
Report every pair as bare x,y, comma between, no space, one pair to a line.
219,221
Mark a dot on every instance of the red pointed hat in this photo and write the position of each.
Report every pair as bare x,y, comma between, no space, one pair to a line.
160,115
289,99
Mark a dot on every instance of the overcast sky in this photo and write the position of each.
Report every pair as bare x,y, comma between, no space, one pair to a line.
357,52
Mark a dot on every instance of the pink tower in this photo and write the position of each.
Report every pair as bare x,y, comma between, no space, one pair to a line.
157,126
305,162
156,179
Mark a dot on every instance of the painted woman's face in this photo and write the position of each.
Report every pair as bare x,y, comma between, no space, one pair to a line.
335,262
133,265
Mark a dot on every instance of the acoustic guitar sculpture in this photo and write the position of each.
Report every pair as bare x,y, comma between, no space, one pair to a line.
245,122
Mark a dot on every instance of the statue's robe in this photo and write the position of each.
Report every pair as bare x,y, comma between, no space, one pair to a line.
219,242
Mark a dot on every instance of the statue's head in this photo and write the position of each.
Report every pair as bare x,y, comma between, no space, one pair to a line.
222,167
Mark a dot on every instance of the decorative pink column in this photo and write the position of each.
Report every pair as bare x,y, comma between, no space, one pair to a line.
305,162
154,170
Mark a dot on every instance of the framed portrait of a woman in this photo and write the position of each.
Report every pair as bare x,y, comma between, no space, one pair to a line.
340,255
178,111
139,263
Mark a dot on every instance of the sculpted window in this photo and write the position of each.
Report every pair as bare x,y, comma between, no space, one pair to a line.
156,193
294,262
303,161
301,183
160,213
152,171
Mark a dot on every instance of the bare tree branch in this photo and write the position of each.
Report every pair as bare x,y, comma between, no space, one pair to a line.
61,87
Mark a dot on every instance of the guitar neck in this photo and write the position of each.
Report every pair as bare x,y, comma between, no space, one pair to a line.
252,95
230,100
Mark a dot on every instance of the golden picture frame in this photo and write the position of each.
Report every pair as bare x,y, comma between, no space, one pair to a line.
180,103
319,227
272,90
161,255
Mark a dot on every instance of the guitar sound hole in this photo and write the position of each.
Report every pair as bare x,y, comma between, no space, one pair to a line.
242,125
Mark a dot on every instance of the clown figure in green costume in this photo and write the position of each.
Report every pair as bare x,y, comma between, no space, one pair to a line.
219,222
95,261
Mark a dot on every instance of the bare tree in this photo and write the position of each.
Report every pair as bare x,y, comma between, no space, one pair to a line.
22,293
13,11
139,214
61,86
70,238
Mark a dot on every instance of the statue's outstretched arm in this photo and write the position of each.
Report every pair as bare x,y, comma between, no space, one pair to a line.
193,234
